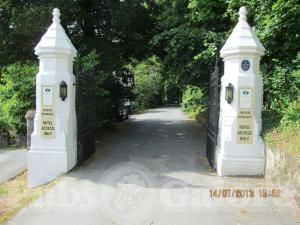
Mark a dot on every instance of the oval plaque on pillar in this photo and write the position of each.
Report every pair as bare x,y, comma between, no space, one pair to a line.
240,149
245,65
53,149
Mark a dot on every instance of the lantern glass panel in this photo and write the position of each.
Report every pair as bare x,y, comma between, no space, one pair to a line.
229,93
63,90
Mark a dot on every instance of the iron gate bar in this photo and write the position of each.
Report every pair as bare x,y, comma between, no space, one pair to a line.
85,112
214,111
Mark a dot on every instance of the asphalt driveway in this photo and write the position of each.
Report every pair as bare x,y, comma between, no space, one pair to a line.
12,163
152,170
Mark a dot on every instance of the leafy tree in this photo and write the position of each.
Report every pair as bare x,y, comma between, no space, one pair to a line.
277,26
148,89
115,30
110,87
194,100
3,125
185,35
189,34
17,94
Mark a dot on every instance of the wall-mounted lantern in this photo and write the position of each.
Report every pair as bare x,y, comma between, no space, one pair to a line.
63,90
229,93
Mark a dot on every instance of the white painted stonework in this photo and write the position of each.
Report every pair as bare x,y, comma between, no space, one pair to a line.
233,158
53,153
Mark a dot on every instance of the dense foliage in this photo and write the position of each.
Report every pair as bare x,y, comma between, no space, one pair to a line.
194,100
189,34
184,35
106,34
109,91
17,95
148,86
187,37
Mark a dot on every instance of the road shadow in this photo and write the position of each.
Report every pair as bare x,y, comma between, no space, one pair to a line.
169,150
162,146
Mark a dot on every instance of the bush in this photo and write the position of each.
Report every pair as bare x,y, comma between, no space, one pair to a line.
282,125
148,89
292,113
110,90
2,126
270,120
17,94
282,88
194,100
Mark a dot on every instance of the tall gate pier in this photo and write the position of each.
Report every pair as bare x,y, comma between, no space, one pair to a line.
53,148
234,143
240,149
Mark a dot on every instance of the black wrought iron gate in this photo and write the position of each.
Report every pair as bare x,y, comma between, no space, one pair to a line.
213,116
85,112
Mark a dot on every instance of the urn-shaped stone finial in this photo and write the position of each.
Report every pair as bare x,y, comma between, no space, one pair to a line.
56,15
240,149
53,149
243,13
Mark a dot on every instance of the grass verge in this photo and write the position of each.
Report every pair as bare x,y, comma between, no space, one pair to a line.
12,148
287,139
14,195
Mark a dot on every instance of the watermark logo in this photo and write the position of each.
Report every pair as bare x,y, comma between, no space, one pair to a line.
127,192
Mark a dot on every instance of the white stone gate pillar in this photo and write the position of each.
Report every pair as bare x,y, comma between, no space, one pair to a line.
53,142
240,149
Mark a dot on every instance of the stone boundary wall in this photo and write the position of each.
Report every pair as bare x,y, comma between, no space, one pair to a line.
283,169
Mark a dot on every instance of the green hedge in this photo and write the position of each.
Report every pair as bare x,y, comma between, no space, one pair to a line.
291,115
282,96
148,88
194,100
17,95
3,126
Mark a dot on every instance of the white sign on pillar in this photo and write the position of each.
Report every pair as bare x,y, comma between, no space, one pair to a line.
240,149
53,148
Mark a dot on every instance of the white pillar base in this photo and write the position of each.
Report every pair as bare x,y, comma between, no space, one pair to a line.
240,165
44,165
53,148
241,151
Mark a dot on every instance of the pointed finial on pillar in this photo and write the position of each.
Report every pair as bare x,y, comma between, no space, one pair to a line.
56,15
243,13
55,38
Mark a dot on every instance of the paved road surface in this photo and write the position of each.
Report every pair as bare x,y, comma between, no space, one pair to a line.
151,170
12,163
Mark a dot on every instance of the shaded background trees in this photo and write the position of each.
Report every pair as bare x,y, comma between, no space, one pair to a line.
106,33
184,37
